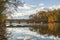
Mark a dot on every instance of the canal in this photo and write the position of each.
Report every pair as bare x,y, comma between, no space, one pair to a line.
33,33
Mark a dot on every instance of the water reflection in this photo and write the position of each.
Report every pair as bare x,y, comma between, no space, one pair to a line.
50,29
43,32
54,29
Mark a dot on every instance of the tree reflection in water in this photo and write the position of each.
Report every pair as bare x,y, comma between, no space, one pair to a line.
50,29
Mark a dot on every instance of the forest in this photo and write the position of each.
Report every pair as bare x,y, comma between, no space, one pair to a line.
52,20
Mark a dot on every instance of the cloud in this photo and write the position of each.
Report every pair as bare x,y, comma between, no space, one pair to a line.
41,7
18,14
28,9
24,7
41,4
54,7
33,5
29,12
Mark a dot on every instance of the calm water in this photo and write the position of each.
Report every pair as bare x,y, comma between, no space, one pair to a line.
27,33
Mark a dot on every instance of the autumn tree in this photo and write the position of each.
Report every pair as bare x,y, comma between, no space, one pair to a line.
2,20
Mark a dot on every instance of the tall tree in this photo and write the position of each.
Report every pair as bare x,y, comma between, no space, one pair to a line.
2,20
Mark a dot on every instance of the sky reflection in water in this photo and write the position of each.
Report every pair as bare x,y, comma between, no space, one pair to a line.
25,32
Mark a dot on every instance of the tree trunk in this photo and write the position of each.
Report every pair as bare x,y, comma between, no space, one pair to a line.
2,31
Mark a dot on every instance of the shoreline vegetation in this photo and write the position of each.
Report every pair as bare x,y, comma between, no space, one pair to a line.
51,18
3,35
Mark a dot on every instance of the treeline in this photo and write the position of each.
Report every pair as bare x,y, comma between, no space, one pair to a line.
52,17
49,16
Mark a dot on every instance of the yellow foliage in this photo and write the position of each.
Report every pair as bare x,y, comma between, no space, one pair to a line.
2,17
52,26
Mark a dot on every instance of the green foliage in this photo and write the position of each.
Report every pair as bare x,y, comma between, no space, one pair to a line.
2,8
2,17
